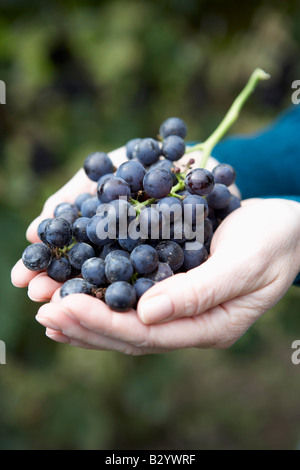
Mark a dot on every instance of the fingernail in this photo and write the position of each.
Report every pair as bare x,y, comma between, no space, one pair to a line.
58,337
155,309
47,322
34,299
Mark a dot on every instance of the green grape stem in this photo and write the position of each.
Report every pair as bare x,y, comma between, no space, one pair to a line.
231,116
207,146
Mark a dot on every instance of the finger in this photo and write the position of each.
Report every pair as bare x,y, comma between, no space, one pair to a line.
21,276
57,336
41,288
131,334
62,324
189,294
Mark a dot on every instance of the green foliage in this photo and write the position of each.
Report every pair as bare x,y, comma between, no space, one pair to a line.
86,76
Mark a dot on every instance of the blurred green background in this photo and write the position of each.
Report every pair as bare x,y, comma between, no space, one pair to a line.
90,75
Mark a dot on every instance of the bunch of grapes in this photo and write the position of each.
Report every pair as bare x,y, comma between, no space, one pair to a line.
142,226
148,221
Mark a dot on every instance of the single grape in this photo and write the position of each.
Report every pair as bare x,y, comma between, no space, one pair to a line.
173,126
162,271
79,229
89,207
79,253
118,214
58,232
184,192
199,181
97,164
118,268
80,199
93,271
203,231
151,224
214,218
194,254
141,285
37,257
180,231
119,253
144,259
195,209
75,286
133,173
219,197
113,188
98,231
224,174
59,269
108,248
173,147
167,165
66,211
157,183
234,203
128,243
120,296
105,177
147,151
171,208
171,253
41,230
130,146
208,229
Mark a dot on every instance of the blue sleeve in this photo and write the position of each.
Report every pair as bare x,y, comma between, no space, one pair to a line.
268,162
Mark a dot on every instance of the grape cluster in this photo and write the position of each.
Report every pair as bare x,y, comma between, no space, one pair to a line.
141,227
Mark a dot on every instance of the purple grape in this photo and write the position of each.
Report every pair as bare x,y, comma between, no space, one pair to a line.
144,259
97,164
113,188
173,147
130,146
162,271
141,285
75,286
93,271
120,296
219,197
58,233
79,253
224,174
59,269
199,181
194,254
173,126
133,173
147,151
157,183
37,257
171,253
118,268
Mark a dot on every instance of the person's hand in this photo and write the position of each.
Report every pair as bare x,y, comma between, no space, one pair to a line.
255,256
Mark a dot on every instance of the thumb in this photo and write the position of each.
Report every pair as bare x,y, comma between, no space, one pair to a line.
189,294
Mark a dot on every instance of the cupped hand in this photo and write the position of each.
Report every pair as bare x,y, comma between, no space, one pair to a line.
255,256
